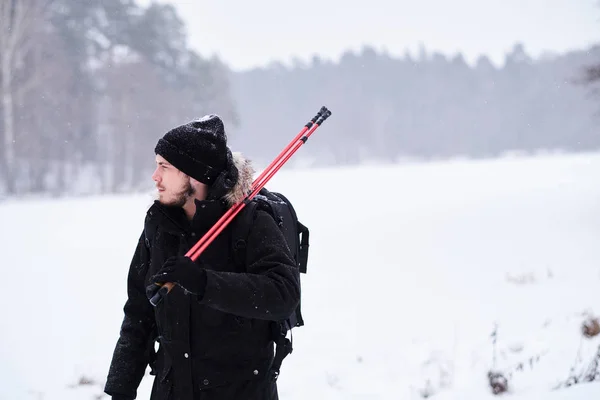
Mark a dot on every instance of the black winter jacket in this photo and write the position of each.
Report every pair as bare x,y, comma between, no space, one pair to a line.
218,345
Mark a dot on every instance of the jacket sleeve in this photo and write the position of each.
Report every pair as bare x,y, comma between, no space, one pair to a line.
131,354
270,287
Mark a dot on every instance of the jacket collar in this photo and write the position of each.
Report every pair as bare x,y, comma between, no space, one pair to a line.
173,219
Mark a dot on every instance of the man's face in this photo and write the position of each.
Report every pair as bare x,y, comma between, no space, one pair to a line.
174,187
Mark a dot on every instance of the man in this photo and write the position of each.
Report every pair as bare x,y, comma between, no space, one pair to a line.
214,326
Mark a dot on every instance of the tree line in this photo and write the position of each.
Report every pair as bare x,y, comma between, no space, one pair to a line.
426,105
87,87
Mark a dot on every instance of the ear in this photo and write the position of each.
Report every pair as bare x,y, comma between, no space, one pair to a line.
201,188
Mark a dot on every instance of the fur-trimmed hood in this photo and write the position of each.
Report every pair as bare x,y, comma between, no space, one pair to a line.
244,182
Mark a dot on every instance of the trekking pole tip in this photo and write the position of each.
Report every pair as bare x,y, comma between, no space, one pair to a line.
316,117
323,117
158,297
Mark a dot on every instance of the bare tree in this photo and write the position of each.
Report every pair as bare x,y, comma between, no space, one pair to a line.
138,108
18,22
46,116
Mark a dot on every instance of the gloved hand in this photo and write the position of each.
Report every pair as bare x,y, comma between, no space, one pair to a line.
180,270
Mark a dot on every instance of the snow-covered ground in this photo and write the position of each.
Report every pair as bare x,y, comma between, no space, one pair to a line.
412,268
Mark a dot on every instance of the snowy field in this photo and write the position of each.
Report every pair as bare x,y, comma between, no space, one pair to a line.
411,268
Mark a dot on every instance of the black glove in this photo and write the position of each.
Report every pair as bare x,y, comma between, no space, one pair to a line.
182,271
119,397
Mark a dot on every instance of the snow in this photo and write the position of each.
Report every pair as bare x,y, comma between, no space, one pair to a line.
412,268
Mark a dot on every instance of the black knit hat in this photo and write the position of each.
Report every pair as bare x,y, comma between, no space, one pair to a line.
198,148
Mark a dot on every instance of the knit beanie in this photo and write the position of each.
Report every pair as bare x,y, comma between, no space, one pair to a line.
198,149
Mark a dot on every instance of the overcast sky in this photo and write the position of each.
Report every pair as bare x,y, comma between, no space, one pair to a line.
249,33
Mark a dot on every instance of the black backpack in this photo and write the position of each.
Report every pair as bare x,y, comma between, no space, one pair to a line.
296,235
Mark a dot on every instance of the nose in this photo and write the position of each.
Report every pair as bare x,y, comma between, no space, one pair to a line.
156,175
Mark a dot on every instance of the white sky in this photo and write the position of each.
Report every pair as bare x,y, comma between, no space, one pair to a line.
249,33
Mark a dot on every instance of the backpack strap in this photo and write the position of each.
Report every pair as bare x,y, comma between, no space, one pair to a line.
303,251
283,346
241,230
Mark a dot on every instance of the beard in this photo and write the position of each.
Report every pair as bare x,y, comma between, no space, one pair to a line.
180,197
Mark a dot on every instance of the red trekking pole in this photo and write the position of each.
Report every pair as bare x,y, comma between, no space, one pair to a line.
257,185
